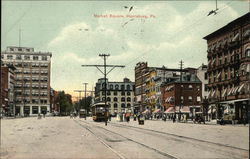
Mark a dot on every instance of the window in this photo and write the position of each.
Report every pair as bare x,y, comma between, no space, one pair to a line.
115,93
115,105
11,49
116,86
248,53
108,99
19,49
190,98
111,87
129,99
128,87
103,98
128,93
123,105
2,57
44,58
9,57
26,57
35,58
123,93
34,109
123,99
103,93
128,105
18,57
122,87
198,98
206,87
115,99
108,93
205,75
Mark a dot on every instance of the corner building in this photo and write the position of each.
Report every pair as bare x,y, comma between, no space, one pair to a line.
228,70
32,74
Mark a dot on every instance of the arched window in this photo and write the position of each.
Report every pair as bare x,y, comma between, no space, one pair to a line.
122,87
111,87
115,99
123,99
128,87
123,105
116,87
115,105
128,93
103,98
108,99
129,99
128,105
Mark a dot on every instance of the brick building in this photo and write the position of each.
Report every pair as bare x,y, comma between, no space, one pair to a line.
7,90
228,70
185,94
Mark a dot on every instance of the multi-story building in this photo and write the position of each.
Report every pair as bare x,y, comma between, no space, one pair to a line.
148,82
157,76
141,74
228,70
120,95
201,73
32,74
185,94
7,90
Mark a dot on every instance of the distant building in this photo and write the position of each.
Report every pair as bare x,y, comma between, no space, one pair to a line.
32,88
185,94
7,90
120,95
228,70
201,73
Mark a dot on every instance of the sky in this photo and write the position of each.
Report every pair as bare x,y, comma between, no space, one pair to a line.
76,32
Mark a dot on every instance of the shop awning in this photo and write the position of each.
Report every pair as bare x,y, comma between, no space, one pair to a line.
218,75
224,92
236,37
146,111
230,91
185,109
169,110
241,86
157,111
213,94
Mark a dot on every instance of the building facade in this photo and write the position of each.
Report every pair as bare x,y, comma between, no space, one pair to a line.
7,90
32,74
120,95
182,96
228,70
201,73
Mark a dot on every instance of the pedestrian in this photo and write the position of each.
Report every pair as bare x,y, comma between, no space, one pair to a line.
244,119
174,118
134,117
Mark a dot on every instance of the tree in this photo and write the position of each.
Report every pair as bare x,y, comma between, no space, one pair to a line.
65,103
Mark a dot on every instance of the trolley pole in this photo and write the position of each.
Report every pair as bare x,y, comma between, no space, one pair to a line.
105,73
85,84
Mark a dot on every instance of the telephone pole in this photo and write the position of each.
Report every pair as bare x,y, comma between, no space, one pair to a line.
105,73
80,91
85,84
181,67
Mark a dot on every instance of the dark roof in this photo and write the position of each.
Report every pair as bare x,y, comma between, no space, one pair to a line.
241,20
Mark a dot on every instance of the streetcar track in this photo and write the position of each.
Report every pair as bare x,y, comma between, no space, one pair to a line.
184,137
188,139
148,147
104,143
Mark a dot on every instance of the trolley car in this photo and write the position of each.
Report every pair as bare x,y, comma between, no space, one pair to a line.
99,113
82,113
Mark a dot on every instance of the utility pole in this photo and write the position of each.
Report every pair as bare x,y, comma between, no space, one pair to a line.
80,91
85,84
105,79
181,67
